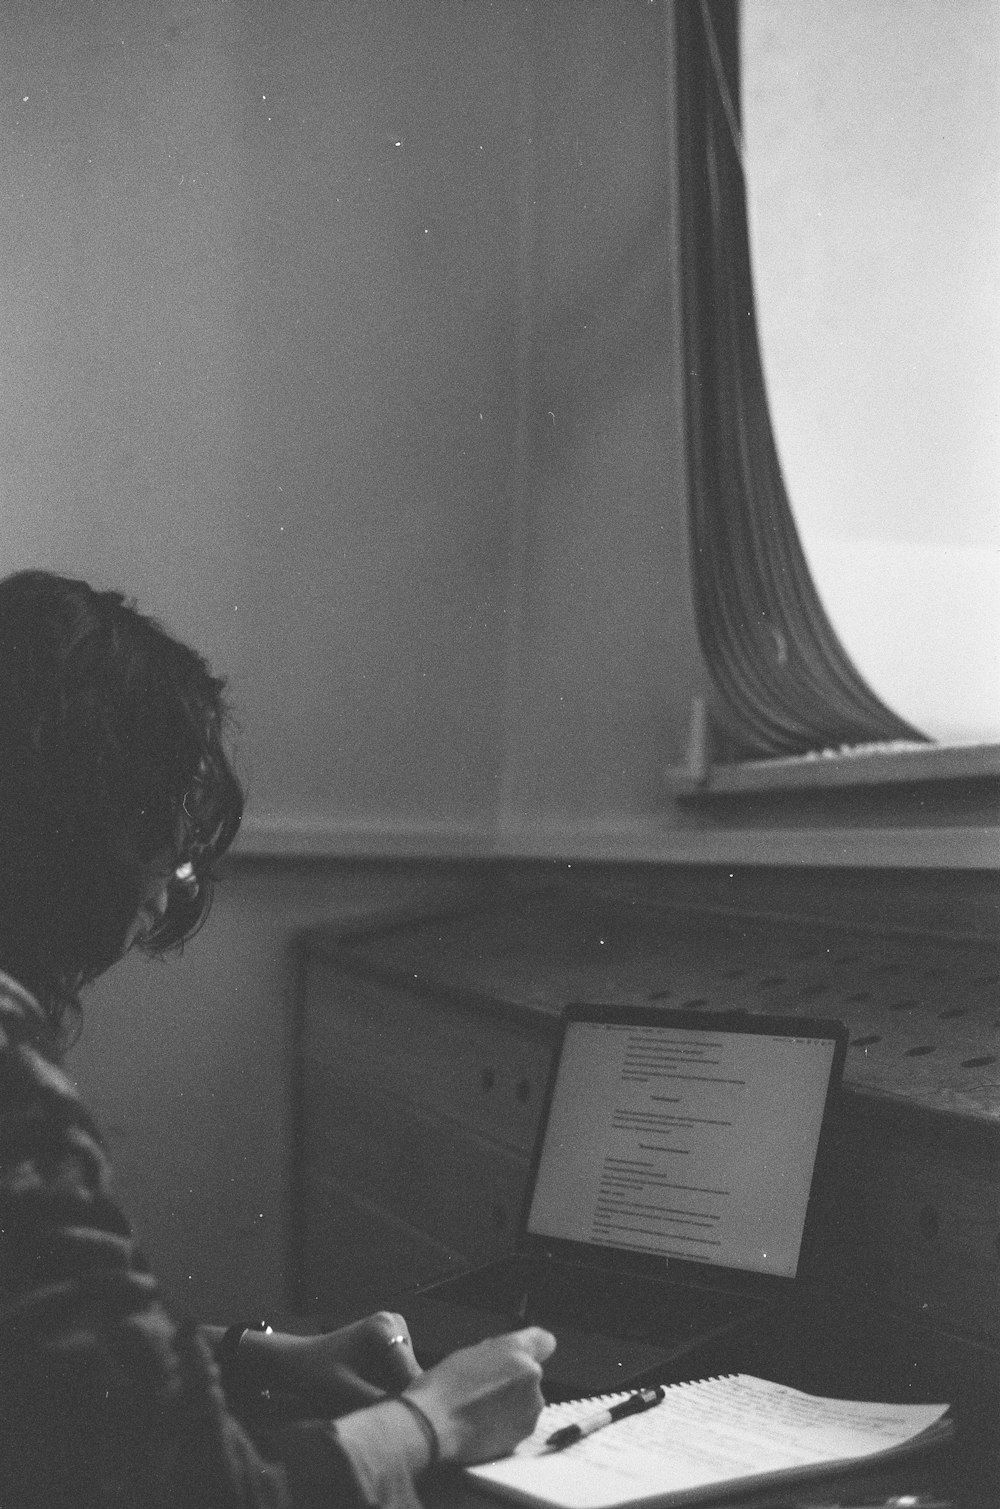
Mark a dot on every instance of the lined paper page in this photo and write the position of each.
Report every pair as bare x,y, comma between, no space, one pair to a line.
722,1430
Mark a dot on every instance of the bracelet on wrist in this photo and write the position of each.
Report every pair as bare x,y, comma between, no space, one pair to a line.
426,1425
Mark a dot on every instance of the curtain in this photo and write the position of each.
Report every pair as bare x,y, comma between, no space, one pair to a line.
784,683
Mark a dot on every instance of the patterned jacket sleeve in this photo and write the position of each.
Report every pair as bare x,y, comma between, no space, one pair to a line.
104,1398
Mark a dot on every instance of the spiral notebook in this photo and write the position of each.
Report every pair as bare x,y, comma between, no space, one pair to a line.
716,1436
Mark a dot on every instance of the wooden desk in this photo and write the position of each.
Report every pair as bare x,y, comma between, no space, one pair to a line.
453,1491
423,1050
834,1345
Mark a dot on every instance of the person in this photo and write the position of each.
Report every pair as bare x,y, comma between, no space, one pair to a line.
117,799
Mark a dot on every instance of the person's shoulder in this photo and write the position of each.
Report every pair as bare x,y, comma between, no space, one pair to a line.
18,1007
47,1134
29,1061
24,1025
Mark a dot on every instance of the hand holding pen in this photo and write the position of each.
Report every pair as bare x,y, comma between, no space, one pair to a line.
633,1405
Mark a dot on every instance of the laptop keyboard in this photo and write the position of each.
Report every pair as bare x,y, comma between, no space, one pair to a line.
591,1301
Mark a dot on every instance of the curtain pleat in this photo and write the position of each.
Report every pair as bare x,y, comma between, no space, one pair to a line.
785,684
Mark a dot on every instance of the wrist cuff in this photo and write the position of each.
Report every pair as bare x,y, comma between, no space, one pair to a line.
433,1442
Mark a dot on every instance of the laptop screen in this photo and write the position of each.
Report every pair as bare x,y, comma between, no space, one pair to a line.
683,1142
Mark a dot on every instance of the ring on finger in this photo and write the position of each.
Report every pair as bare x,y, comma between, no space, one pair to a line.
400,1340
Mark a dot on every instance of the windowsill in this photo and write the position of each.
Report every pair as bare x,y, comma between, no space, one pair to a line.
705,838
867,766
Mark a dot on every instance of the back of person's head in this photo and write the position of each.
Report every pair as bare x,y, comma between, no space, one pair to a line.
111,765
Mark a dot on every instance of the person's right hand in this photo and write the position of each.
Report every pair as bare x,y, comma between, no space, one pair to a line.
484,1399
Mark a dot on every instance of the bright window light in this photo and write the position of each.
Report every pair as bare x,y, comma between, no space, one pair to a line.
872,155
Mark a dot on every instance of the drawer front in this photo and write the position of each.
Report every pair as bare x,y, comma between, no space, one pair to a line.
481,1070
912,1213
427,1170
931,1228
354,1254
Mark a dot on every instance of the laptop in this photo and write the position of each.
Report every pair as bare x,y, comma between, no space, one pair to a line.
671,1197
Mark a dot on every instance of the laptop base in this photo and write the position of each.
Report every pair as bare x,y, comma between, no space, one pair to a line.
610,1333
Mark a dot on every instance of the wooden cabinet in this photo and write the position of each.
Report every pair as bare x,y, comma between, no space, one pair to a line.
424,1050
418,1117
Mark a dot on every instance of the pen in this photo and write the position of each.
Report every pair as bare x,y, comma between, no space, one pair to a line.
633,1405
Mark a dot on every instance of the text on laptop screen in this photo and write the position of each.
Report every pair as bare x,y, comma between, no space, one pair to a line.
685,1143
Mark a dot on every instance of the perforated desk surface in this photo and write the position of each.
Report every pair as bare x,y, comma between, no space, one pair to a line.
923,1009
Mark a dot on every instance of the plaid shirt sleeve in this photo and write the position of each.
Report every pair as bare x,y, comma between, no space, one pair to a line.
105,1399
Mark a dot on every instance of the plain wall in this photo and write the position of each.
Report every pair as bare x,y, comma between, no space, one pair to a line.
342,337
606,657
257,347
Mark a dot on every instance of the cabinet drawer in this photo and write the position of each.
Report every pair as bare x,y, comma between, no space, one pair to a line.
930,1229
485,1071
354,1255
427,1170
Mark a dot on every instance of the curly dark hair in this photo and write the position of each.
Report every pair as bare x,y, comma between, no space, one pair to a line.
111,761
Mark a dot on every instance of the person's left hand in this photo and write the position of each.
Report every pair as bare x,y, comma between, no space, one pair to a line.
353,1366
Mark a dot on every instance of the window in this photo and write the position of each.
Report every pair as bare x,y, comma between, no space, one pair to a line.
871,139
787,686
